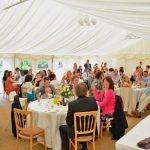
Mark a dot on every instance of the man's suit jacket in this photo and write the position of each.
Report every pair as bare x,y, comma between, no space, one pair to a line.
82,104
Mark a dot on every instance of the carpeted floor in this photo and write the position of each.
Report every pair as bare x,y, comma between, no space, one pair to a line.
8,142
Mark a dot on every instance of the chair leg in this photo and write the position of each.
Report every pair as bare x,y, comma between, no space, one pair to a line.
31,143
87,145
94,144
76,145
44,142
69,144
17,144
101,131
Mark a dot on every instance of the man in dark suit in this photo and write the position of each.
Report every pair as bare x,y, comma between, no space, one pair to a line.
82,104
88,65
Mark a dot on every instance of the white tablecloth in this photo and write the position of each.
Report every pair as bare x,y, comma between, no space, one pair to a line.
138,133
130,97
50,119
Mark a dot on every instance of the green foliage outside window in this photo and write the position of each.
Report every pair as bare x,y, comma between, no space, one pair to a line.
43,64
25,65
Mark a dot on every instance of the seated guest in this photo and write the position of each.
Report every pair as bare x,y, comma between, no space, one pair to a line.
10,83
104,67
86,76
37,90
17,75
37,79
96,69
53,80
148,69
25,72
30,88
109,73
79,74
121,72
49,72
143,102
140,78
80,69
146,78
98,81
74,82
47,94
5,79
116,77
47,84
43,73
30,72
75,68
126,82
132,79
106,98
82,104
135,73
66,78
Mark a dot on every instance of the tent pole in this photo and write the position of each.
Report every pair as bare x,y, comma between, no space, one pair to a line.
14,62
52,63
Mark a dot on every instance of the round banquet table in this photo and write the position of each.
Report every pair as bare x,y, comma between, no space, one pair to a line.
138,133
49,117
130,96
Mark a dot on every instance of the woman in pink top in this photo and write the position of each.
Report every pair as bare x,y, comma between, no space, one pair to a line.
106,98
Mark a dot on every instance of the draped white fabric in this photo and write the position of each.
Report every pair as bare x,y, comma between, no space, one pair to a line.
131,15
46,27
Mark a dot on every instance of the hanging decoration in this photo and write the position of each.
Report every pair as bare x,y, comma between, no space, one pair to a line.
86,20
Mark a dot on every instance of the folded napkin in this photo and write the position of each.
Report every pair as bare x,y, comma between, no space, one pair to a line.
145,144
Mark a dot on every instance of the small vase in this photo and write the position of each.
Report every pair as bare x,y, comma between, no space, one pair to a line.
64,102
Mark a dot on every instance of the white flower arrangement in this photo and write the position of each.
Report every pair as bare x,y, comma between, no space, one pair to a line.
66,92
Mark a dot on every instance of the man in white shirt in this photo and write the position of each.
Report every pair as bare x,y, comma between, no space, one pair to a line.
86,76
17,74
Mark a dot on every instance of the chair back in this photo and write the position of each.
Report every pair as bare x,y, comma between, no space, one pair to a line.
12,95
24,91
85,123
21,118
23,102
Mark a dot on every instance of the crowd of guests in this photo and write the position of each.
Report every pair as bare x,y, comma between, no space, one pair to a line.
39,86
95,81
44,83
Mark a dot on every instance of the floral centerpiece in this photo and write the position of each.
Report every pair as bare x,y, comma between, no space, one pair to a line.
66,92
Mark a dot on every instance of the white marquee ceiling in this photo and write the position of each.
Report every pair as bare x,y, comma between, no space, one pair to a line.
46,27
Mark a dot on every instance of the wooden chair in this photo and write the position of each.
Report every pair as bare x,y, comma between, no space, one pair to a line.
24,91
24,132
107,126
12,95
85,126
23,101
